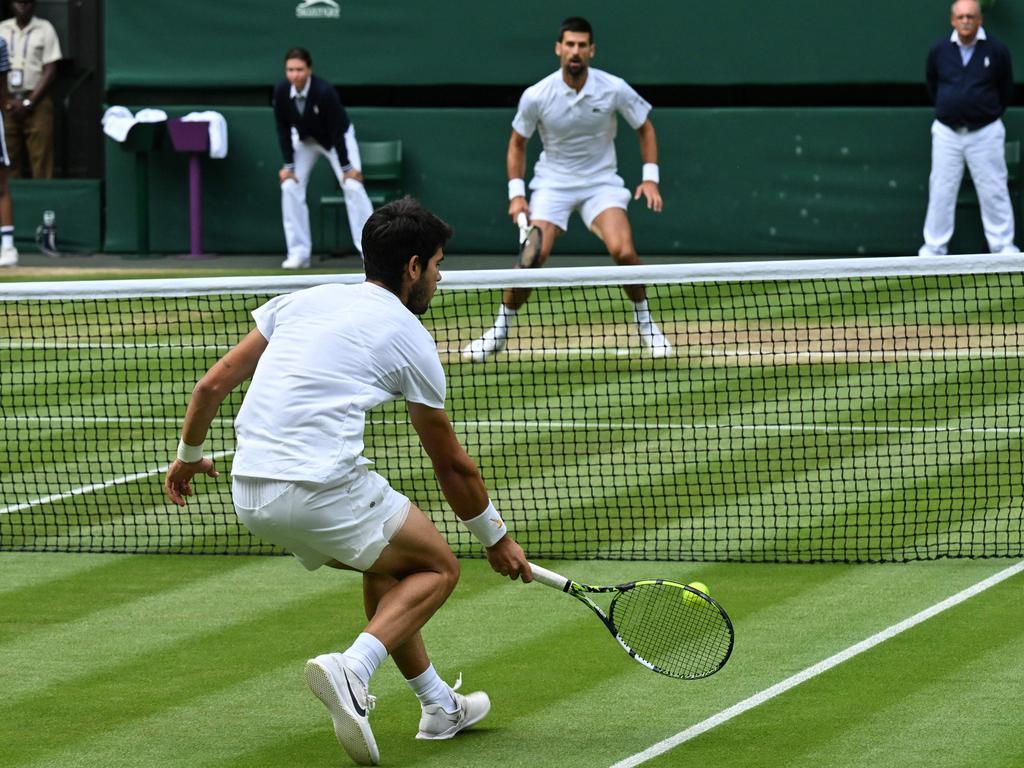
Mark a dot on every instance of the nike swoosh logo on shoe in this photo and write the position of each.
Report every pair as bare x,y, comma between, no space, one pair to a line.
359,710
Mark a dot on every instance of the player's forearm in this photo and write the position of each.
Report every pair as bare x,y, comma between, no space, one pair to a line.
648,142
202,410
463,487
515,161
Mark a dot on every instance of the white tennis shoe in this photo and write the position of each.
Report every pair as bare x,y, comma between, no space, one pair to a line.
9,256
294,262
489,344
654,340
435,723
349,704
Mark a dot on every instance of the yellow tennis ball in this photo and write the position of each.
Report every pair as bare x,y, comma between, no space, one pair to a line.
700,587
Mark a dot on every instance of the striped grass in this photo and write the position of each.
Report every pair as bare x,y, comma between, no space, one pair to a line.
179,662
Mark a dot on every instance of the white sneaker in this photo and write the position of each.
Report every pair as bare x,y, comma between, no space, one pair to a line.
489,344
347,700
654,340
435,723
294,262
9,256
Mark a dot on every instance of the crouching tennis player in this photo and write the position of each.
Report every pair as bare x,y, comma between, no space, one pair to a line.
319,360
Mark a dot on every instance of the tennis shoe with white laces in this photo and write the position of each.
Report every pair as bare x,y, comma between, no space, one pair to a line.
489,344
8,256
349,704
437,724
654,340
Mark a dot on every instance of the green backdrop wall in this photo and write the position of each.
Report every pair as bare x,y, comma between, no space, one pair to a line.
753,181
240,42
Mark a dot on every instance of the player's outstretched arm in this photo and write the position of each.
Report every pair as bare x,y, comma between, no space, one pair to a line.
215,385
463,487
515,165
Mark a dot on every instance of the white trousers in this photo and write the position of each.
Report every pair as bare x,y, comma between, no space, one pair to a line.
985,156
295,211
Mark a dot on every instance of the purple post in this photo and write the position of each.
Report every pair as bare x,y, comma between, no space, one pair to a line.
195,205
194,138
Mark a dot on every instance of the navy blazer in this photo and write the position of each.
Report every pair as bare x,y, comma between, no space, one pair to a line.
971,96
324,119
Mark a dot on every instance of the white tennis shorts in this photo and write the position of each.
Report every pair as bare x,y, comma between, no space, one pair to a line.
350,521
556,205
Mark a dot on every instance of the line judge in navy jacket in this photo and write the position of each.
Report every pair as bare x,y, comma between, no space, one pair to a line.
311,122
970,80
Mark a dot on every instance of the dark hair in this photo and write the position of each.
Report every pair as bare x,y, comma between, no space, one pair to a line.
299,53
575,24
394,234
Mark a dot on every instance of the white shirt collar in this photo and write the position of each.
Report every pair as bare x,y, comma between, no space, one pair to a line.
586,90
955,38
305,91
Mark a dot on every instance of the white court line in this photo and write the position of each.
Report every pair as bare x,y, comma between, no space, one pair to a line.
813,671
35,345
569,424
770,355
82,490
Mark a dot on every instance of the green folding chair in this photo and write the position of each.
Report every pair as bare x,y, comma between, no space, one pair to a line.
382,176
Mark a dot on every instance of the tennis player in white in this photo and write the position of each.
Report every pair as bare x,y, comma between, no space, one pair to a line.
576,109
319,360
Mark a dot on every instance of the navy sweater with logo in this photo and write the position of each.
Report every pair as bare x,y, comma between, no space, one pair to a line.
971,96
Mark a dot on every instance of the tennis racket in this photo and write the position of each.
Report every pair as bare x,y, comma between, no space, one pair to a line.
668,627
530,241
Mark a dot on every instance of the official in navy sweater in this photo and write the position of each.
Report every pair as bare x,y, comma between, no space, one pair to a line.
312,122
970,80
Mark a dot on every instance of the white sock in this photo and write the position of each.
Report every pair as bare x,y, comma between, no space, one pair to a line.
642,312
506,317
364,656
6,237
431,689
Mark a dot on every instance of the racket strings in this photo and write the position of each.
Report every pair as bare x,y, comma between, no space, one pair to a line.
682,634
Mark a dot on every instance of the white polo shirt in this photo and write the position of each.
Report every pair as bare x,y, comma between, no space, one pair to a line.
578,129
334,352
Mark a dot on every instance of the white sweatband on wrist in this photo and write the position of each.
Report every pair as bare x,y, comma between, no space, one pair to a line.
516,188
651,173
190,454
488,526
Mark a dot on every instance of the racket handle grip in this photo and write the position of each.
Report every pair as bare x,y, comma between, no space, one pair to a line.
549,578
522,221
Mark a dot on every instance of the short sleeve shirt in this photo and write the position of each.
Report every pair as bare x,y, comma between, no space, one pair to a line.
29,49
334,352
578,129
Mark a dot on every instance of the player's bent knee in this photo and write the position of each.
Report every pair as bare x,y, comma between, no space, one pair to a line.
624,256
450,571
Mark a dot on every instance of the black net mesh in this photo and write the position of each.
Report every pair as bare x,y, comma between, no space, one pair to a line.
873,418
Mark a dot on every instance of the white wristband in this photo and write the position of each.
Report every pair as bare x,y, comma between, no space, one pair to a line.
651,173
190,454
488,526
516,188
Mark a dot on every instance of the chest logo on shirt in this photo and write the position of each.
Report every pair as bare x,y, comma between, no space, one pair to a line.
986,61
316,109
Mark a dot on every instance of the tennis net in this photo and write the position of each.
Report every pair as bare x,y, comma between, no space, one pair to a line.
827,410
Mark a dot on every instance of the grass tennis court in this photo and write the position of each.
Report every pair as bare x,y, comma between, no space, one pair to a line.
113,660
793,423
